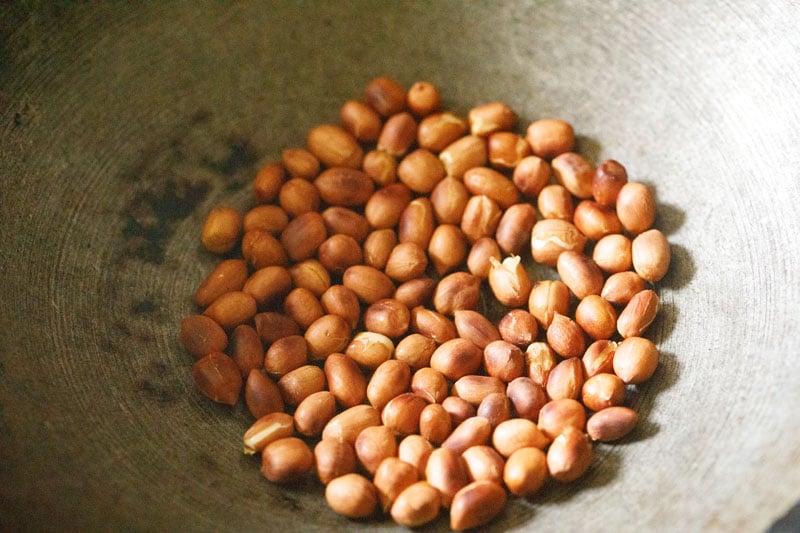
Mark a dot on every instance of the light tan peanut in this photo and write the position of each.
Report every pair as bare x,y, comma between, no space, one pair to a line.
352,495
548,298
434,423
602,391
540,360
421,171
286,354
476,504
495,407
484,463
503,360
480,218
651,255
490,117
609,177
297,196
311,275
261,249
401,414
619,288
474,388
423,98
574,172
345,380
373,445
218,377
509,281
370,349
492,184
415,292
268,181
417,505
638,314
599,358
390,379
516,433
378,247
514,229
268,285
360,120
518,327
459,409
430,384
432,324
232,309
221,230
261,394
475,327
300,163
267,429
569,456
525,471
506,149
385,95
326,335
415,350
415,450
579,273
550,137
446,471
479,260
272,326
314,412
531,175
339,252
303,307
334,146
344,186
398,134
272,218
380,166
201,335
463,154
612,254
388,317
456,358
229,275
406,261
339,300
527,397
596,316
636,207
338,219
566,337
447,248
384,207
550,237
449,199
349,423
557,415
286,460
459,290
635,360
417,223
303,235
555,202
297,385
565,380
435,132
369,283
596,220
611,424
474,431
391,478
333,458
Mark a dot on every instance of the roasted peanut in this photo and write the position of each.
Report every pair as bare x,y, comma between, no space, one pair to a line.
222,230
230,275
550,137
476,504
527,397
430,384
352,495
373,445
286,460
218,377
334,146
423,98
345,380
333,458
261,395
392,477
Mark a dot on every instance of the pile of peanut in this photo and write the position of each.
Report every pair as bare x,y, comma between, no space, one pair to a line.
349,306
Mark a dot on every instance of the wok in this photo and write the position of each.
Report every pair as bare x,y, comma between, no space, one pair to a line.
123,124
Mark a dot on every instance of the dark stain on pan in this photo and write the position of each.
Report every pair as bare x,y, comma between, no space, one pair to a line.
240,156
155,383
143,307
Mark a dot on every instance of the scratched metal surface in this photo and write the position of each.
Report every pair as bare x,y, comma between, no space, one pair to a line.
122,124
